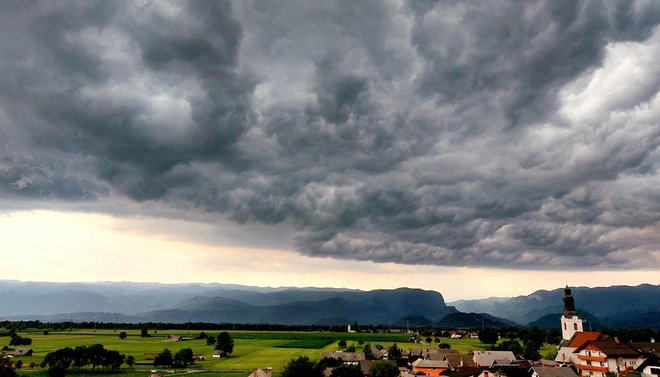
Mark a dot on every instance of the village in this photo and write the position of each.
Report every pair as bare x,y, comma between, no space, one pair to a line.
484,352
580,353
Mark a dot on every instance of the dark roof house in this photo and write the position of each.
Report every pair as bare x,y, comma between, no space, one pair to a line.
552,372
22,352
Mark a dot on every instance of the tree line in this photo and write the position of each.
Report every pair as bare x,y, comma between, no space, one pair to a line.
58,362
7,327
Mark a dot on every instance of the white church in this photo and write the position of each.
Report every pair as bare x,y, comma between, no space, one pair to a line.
592,353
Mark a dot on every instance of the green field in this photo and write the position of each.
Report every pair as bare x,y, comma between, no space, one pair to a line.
252,349
306,343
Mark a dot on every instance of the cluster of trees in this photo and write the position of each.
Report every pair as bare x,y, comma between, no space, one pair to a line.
181,359
58,362
304,367
17,340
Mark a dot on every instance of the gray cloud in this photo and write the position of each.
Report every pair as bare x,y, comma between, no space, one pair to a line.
448,133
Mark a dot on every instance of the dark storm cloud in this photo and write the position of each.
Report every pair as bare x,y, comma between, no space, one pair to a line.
497,133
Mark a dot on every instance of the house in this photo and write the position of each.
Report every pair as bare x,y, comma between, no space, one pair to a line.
552,372
505,363
261,373
174,338
154,373
429,367
507,372
198,357
466,360
484,359
565,353
462,372
651,366
380,354
413,354
219,353
597,357
458,334
22,352
646,348
452,357
474,335
455,360
346,357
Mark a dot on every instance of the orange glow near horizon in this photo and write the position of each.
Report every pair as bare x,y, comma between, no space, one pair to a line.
46,245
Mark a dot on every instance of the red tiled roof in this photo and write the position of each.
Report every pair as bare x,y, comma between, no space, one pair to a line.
583,336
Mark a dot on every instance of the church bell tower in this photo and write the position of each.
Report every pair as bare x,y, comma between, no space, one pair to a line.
571,322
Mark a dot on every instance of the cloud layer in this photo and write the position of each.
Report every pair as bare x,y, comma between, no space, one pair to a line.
444,133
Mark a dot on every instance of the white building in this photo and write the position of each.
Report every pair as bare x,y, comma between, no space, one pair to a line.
597,357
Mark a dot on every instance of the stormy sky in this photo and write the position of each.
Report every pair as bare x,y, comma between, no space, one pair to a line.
487,134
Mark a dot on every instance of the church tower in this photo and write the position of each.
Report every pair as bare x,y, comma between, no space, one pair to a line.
571,322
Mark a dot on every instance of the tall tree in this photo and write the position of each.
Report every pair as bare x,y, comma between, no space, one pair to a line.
184,357
164,358
488,336
225,343
394,353
531,351
96,355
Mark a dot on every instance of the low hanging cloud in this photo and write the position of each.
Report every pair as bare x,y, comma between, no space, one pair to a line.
444,133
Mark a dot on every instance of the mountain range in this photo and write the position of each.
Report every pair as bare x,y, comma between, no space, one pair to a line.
226,303
620,306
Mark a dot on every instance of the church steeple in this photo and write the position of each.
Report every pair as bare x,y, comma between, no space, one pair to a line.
571,322
569,303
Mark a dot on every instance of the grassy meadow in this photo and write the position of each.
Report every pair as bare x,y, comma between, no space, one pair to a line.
252,349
